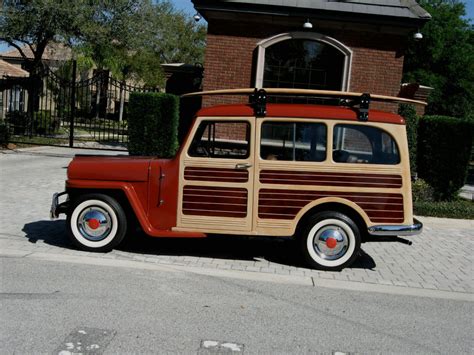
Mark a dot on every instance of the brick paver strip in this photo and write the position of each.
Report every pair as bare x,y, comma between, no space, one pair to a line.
440,258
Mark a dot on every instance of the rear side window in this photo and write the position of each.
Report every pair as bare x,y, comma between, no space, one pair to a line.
229,140
363,145
293,141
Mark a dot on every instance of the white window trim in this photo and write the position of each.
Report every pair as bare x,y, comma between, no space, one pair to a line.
263,45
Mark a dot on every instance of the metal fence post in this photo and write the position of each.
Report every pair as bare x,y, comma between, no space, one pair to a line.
73,104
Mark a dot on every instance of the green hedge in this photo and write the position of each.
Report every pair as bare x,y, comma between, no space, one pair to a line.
444,147
153,124
19,121
421,191
44,123
452,209
408,112
4,134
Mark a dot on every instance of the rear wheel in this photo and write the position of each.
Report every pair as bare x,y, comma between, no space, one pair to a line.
96,222
330,241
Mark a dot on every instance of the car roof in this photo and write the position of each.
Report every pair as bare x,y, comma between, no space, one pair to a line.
300,111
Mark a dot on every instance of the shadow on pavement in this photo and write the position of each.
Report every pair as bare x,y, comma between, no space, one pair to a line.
277,250
51,232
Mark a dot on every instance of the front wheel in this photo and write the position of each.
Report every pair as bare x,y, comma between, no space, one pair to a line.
330,241
96,222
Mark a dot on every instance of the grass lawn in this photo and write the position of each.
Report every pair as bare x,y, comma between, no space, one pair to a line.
38,140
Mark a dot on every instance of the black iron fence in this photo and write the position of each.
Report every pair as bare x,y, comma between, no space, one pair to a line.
55,110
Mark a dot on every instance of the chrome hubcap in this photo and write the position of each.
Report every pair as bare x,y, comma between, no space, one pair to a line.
94,223
331,242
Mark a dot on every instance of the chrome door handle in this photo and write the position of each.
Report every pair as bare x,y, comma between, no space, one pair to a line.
243,166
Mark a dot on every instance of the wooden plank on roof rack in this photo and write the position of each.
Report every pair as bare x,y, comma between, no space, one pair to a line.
307,92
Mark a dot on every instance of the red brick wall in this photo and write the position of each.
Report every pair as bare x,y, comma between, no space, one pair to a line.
230,61
377,64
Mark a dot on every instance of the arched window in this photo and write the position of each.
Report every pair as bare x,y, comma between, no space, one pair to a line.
303,60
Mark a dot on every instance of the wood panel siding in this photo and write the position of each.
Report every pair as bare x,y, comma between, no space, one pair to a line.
216,175
330,179
285,204
215,201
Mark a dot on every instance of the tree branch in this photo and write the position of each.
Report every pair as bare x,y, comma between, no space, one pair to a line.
13,44
29,45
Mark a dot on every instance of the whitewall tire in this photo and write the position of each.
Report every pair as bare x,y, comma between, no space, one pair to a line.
96,222
330,241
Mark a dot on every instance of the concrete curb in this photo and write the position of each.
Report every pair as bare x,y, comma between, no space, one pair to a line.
61,152
243,275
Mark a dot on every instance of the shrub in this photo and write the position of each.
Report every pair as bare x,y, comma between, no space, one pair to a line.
421,191
408,112
453,209
444,147
44,123
19,121
4,134
153,124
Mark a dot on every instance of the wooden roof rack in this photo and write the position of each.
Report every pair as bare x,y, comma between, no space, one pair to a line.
258,97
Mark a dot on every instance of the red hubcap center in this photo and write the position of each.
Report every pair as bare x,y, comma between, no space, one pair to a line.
93,223
331,243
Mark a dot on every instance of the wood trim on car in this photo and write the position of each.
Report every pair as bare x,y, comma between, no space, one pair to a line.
215,201
280,193
215,174
330,179
286,204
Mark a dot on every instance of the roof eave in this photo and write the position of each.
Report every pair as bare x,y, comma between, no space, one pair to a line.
210,10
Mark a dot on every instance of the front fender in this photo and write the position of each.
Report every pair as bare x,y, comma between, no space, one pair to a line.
134,200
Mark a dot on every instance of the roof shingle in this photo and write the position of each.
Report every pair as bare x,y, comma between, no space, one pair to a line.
54,51
391,8
7,69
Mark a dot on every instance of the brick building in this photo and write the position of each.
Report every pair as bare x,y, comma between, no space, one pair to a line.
352,45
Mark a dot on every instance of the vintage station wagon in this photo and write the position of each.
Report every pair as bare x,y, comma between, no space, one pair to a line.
327,176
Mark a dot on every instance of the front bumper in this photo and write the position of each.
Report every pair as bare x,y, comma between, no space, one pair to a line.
56,207
400,230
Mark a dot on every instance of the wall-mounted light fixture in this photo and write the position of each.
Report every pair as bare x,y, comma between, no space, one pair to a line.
307,25
418,36
196,17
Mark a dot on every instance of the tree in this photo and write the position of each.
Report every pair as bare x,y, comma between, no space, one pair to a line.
134,44
135,41
36,23
172,35
129,38
444,59
126,36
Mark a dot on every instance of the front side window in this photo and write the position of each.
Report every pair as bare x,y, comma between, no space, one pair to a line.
364,145
293,141
229,140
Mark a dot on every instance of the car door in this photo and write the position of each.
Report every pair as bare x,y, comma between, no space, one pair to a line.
216,177
288,153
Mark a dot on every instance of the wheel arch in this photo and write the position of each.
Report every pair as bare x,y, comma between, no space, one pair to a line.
118,194
349,208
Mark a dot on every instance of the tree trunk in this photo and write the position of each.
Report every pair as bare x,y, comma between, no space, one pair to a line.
35,69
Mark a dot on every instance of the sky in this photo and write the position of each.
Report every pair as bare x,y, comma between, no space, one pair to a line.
187,7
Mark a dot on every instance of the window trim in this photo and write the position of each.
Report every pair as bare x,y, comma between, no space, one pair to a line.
333,130
268,42
297,121
209,121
